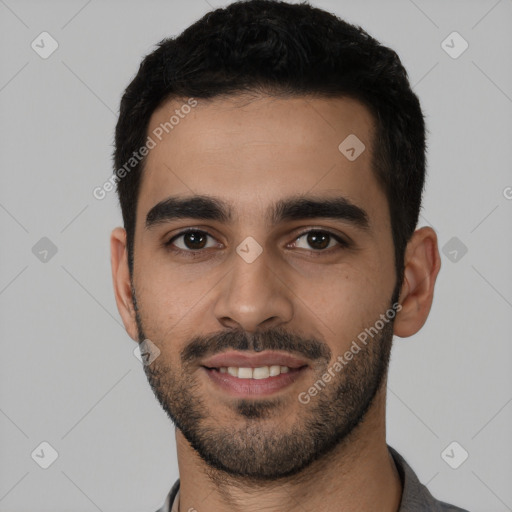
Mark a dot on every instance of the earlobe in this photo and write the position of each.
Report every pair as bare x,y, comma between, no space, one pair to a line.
121,281
421,267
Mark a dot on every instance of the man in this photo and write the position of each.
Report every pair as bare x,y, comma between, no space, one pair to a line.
270,163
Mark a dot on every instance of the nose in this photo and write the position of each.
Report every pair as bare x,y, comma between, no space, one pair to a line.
254,295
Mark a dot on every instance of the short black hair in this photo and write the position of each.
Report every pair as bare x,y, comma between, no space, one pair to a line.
274,48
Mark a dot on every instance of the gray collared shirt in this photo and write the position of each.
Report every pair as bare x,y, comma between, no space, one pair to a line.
415,496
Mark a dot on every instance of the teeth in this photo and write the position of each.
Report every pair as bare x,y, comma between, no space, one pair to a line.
244,373
275,370
261,372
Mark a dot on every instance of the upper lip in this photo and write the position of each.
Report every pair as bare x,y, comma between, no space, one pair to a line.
245,360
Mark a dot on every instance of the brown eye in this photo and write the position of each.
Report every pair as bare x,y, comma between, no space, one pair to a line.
320,240
193,240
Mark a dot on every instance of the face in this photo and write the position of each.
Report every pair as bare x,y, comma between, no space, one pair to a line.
288,259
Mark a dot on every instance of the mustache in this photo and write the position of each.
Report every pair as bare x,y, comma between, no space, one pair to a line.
275,339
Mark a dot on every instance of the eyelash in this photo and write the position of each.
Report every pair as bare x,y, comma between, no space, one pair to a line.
343,244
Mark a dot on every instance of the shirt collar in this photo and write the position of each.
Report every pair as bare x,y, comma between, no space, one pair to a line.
415,496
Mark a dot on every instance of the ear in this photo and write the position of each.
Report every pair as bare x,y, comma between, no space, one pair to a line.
422,263
121,281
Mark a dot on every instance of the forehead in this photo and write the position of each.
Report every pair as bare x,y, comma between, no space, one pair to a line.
260,150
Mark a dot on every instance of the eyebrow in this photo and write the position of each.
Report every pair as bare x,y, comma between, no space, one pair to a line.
203,207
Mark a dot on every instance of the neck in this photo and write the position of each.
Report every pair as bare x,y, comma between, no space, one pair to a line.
356,475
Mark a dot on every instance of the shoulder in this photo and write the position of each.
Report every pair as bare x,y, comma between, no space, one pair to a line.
169,500
415,496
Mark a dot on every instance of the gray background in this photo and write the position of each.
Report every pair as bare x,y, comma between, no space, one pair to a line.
68,375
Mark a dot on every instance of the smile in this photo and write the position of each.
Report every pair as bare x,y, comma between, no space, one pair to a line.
251,382
262,372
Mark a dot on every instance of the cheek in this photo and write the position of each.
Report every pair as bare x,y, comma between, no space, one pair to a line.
345,302
163,309
169,289
172,302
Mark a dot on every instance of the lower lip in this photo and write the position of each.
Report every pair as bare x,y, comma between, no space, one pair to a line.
254,387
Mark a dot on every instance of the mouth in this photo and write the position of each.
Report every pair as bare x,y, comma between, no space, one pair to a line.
246,375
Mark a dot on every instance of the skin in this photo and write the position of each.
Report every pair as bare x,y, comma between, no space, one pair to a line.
245,152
